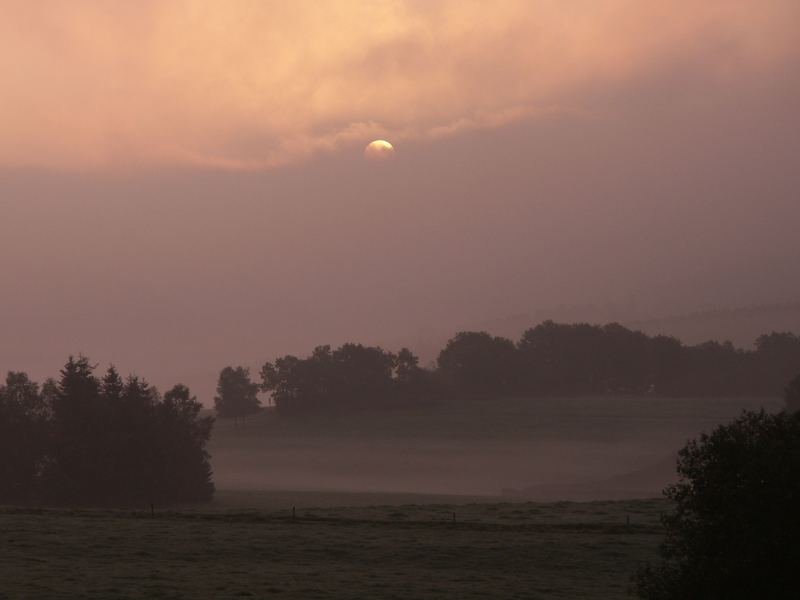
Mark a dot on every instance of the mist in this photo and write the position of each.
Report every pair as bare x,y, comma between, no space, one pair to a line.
542,449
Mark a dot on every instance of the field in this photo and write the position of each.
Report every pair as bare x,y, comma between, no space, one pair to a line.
447,501
492,550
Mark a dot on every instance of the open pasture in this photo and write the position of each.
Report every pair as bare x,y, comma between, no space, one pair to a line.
492,550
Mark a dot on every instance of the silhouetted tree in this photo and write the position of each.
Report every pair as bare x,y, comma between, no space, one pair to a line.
302,384
112,386
667,361
104,441
184,472
551,358
23,431
361,375
352,376
406,365
714,369
792,395
478,362
560,358
734,531
776,359
412,382
581,358
73,472
237,396
625,360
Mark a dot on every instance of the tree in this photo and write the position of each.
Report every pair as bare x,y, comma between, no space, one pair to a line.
362,375
23,429
561,358
734,531
792,395
667,360
184,470
111,441
777,358
477,362
624,359
237,396
412,381
351,377
406,366
78,459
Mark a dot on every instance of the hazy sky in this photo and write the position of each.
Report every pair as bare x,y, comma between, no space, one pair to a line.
182,183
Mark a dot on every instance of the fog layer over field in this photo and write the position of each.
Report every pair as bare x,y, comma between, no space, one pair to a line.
547,449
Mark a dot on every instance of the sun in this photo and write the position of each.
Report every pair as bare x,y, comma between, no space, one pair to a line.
379,150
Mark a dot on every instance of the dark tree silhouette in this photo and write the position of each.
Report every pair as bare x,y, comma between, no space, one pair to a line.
302,384
411,381
792,395
582,359
475,361
361,374
103,441
666,361
352,376
79,461
777,359
406,365
23,431
734,531
551,358
184,471
237,396
624,358
563,359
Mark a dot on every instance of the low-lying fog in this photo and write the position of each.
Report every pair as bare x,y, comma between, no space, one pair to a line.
545,449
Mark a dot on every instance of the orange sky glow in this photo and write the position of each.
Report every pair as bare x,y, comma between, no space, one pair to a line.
256,84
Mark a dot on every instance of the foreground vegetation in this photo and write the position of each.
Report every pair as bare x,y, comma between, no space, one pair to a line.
733,533
505,550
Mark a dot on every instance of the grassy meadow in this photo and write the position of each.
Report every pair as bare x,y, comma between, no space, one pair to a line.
492,550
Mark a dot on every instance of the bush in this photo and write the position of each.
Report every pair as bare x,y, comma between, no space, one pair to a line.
734,531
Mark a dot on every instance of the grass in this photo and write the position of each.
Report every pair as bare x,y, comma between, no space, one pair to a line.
251,546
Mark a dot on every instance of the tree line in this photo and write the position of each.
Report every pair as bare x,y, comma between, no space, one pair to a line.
549,359
84,439
576,359
352,375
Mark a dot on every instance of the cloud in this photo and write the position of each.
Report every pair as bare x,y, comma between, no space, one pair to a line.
254,84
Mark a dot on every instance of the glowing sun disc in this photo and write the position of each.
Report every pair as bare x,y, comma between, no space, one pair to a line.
379,150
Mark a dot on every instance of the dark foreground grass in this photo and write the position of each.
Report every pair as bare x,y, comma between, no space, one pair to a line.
506,550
